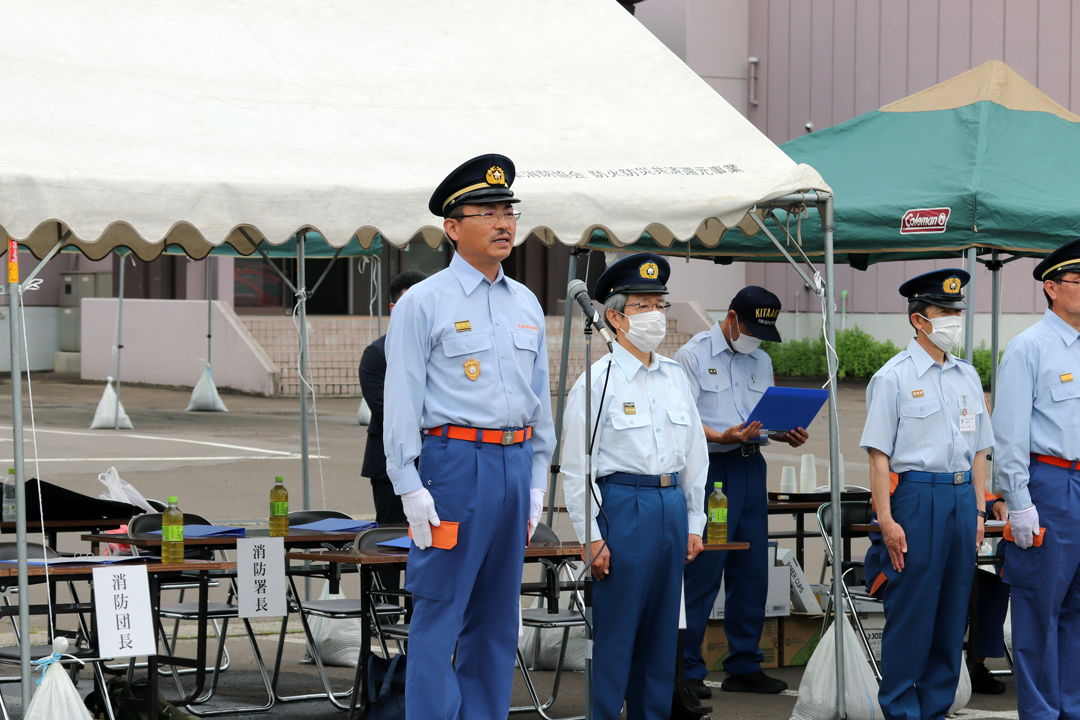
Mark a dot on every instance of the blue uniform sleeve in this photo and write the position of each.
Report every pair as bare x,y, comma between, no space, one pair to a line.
408,346
543,437
685,356
882,418
1012,449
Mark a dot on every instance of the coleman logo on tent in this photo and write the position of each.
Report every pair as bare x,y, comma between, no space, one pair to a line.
924,220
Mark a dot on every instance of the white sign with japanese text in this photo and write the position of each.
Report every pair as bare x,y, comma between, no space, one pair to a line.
260,577
125,625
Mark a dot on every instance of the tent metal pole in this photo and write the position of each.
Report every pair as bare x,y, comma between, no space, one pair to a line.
376,267
119,341
14,344
209,305
560,398
969,316
995,324
301,238
834,457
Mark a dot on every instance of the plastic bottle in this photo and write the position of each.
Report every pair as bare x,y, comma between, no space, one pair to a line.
9,496
172,534
279,508
716,529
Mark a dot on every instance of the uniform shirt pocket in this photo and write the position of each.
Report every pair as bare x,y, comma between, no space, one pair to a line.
633,434
680,433
471,361
526,347
1067,404
919,422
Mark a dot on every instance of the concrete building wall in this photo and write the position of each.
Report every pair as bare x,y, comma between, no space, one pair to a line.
42,337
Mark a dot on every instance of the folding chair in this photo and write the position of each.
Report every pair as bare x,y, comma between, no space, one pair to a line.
542,619
852,512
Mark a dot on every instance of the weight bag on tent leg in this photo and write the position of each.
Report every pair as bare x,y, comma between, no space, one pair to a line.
363,415
105,415
56,697
817,692
205,395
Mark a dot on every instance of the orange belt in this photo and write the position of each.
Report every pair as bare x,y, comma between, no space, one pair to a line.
497,437
1059,462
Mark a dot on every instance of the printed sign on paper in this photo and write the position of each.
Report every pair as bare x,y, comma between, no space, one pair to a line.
260,577
125,626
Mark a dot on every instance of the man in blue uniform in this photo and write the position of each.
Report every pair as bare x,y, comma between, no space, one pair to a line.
729,372
467,391
1038,446
650,466
927,423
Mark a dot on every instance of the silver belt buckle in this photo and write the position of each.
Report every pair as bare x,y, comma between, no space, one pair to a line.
958,478
665,481
508,437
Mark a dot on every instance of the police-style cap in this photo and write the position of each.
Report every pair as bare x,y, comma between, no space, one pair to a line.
484,179
637,273
758,309
1065,259
940,287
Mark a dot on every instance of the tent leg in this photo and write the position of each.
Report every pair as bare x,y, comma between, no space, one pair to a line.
969,316
995,324
119,339
376,267
301,280
834,453
15,342
209,304
560,398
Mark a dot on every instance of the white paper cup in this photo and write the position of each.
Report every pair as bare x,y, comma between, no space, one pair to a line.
788,483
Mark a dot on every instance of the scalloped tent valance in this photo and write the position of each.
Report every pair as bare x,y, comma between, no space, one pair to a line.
142,123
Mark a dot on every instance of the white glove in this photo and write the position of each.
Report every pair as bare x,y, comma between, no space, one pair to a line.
536,507
1025,526
419,508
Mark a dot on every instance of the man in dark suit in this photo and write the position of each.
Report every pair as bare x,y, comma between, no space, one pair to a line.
372,373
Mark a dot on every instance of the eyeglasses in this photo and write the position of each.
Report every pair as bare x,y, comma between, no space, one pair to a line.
642,307
491,217
1068,282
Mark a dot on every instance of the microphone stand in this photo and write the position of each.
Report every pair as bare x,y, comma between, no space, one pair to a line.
588,520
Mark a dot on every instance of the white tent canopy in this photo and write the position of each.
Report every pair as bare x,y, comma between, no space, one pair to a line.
133,122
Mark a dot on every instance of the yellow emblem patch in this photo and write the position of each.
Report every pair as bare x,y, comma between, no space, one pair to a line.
916,393
649,271
495,176
1067,377
712,371
462,326
629,409
472,369
952,285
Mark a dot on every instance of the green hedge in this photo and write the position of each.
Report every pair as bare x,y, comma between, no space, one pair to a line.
860,356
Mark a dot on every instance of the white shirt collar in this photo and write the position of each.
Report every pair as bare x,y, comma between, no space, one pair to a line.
1067,332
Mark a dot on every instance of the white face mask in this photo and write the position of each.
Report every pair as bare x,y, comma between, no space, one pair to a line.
647,330
946,331
744,344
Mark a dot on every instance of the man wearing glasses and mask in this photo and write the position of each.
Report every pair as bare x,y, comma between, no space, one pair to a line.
650,465
467,392
729,372
1035,461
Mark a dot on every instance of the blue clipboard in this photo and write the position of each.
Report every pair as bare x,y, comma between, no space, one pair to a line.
782,409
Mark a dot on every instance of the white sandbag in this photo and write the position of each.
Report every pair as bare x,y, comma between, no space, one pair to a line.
817,692
546,656
205,395
963,688
363,415
338,640
57,697
105,415
121,490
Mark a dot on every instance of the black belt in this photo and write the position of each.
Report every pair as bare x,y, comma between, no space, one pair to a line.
662,481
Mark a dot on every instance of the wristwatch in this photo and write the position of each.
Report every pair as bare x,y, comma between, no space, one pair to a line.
981,513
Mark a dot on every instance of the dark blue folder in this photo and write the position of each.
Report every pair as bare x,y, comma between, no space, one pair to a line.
782,409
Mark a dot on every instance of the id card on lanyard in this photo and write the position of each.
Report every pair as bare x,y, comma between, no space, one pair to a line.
967,418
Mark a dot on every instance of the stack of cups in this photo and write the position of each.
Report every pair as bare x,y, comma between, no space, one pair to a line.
787,480
808,474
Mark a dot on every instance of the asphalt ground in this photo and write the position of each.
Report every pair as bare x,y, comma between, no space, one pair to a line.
221,465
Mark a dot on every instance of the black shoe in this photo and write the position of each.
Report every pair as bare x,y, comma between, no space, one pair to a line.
985,683
698,687
755,682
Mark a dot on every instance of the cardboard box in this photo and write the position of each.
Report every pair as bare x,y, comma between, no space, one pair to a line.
777,602
715,647
803,599
873,624
799,636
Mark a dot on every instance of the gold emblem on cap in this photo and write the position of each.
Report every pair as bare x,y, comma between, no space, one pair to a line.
952,285
649,271
495,176
472,369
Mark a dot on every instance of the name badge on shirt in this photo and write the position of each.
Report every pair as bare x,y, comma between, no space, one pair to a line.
463,326
712,371
629,409
1067,377
967,420
916,393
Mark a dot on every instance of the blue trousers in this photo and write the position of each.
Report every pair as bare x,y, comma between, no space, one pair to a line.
636,607
746,571
468,596
1046,600
926,604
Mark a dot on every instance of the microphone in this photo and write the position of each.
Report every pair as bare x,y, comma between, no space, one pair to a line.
578,292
